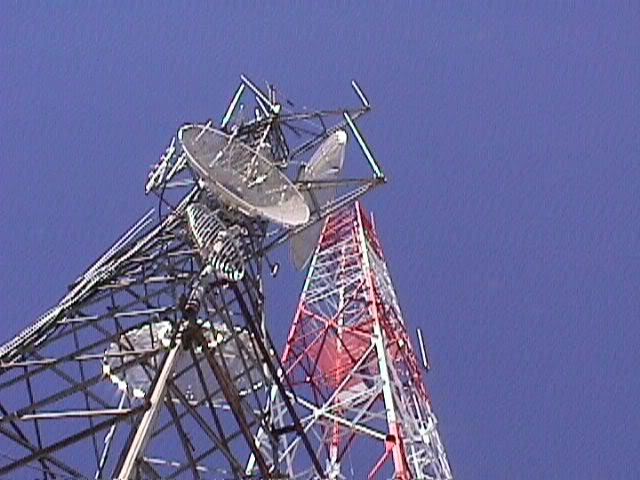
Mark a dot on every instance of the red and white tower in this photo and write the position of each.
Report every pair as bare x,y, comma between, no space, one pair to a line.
351,365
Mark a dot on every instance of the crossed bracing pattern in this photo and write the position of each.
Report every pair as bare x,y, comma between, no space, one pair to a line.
158,361
85,385
350,361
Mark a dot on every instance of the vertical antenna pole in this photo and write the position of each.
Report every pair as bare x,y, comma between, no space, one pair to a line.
363,145
361,95
423,352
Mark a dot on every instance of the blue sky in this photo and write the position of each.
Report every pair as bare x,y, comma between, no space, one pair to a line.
510,220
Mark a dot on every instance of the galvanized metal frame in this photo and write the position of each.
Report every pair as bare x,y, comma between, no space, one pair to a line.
61,416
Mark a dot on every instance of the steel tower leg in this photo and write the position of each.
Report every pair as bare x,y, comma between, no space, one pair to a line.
395,435
144,430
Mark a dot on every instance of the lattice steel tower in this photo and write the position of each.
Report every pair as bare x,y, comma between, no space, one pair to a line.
351,363
158,363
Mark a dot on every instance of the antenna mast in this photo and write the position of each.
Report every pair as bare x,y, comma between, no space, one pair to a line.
158,361
352,366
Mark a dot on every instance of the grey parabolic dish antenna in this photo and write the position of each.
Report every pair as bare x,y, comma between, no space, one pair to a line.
325,165
137,381
242,177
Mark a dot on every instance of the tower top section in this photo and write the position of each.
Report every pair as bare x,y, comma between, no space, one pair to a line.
349,353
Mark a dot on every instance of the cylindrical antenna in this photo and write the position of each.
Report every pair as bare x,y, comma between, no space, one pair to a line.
232,106
360,93
423,351
273,267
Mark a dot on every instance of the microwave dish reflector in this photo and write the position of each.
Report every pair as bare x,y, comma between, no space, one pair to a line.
242,177
325,165
136,379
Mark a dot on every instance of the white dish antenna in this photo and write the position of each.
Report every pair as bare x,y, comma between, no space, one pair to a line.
136,381
325,165
242,177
